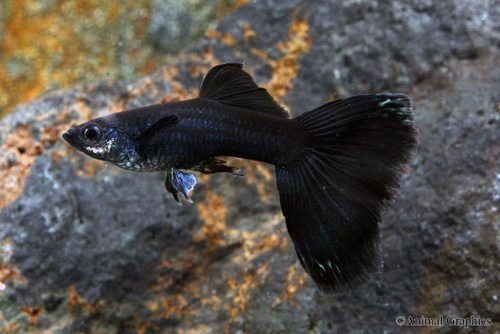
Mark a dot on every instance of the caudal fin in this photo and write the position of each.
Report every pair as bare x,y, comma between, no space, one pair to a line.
332,201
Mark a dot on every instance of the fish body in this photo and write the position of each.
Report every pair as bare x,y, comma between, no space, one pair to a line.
336,165
200,129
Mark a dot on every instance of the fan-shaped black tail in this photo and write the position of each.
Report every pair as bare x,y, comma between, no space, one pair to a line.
332,201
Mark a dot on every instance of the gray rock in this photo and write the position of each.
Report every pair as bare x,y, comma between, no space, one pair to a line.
175,24
89,248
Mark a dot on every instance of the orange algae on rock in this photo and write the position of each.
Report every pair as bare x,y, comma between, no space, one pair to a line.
58,48
19,153
77,301
20,148
71,42
248,33
285,68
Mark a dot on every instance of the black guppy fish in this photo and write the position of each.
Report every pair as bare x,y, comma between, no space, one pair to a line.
336,166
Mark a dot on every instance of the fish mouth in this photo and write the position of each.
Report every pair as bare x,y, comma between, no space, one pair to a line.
69,136
66,136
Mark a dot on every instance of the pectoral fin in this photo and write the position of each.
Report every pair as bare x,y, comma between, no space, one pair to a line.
180,183
162,126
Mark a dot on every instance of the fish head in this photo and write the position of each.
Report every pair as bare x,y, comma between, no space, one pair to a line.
102,139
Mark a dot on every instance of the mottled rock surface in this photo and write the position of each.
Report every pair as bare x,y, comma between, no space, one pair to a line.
90,248
52,44
176,24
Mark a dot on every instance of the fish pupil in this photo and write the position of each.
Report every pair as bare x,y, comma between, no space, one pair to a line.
91,133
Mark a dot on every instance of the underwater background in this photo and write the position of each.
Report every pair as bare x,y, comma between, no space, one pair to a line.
88,248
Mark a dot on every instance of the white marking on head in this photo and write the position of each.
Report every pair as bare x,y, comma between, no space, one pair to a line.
96,150
101,149
109,144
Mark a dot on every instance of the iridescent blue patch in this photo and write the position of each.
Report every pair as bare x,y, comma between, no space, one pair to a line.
180,183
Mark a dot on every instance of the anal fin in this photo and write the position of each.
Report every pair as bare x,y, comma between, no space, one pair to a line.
214,165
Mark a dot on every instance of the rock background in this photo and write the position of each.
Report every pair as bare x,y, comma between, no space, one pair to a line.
53,44
93,249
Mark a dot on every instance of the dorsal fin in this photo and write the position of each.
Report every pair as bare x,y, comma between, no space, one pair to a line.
230,85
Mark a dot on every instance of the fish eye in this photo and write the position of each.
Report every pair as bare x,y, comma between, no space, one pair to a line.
92,133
